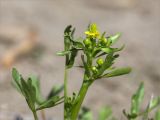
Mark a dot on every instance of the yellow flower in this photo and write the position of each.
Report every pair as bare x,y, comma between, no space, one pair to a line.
92,31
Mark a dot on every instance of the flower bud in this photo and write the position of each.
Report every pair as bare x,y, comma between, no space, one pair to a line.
87,42
104,41
94,69
100,61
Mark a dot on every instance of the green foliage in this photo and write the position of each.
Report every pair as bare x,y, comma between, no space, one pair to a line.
118,72
85,114
157,115
105,113
98,57
137,100
30,89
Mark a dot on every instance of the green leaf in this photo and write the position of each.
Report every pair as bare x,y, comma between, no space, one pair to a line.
72,58
68,29
157,115
77,44
85,114
137,99
115,38
31,90
107,50
49,103
105,113
72,32
118,72
55,91
29,93
112,50
63,53
154,103
16,77
36,84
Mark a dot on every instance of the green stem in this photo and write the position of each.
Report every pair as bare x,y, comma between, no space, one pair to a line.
35,115
65,82
65,92
81,96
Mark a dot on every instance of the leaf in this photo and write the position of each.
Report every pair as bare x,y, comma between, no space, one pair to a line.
72,32
36,85
55,91
77,45
63,53
68,29
107,50
105,113
154,103
26,88
49,103
115,38
118,72
31,90
16,77
157,115
111,50
29,93
137,99
72,58
85,114
67,41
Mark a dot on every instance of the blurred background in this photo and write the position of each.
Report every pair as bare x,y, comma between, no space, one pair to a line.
31,32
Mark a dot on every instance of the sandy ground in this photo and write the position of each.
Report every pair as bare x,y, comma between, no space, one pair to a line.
139,21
